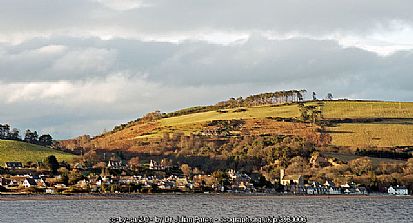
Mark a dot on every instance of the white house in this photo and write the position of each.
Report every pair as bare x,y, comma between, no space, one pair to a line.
312,190
50,190
398,190
333,190
291,179
117,165
153,165
29,182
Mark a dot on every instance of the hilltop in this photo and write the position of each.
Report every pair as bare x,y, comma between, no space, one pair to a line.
25,152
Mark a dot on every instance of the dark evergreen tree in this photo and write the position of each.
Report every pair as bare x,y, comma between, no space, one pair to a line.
52,163
31,137
45,140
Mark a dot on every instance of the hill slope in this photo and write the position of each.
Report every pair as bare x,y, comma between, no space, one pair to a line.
349,123
24,152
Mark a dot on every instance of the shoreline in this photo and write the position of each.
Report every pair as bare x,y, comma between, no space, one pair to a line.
45,197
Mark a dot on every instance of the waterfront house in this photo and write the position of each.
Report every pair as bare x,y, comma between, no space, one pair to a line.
398,190
50,190
82,184
182,183
60,186
29,182
333,190
345,186
16,180
4,182
311,190
291,179
360,190
329,183
166,185
14,165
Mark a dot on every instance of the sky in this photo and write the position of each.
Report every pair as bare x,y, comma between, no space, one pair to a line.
74,67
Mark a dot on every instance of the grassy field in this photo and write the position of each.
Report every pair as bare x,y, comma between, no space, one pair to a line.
24,152
193,122
252,112
380,135
332,109
366,109
384,134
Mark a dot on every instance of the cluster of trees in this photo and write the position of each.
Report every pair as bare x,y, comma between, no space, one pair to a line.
7,133
34,138
278,97
31,137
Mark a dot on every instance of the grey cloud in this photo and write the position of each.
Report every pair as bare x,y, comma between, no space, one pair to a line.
55,62
168,17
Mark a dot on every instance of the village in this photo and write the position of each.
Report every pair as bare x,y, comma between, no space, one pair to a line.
116,176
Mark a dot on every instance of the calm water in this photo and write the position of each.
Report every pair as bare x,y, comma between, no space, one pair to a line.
324,209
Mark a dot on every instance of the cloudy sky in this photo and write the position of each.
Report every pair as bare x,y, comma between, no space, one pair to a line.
72,67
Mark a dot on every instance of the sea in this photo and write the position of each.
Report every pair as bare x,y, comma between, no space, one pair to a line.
208,208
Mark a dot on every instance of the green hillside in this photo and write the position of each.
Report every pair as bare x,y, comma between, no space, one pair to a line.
367,109
24,152
331,110
396,128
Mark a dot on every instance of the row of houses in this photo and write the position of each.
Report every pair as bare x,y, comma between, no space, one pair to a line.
97,183
235,182
329,188
295,184
398,190
22,182
106,182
